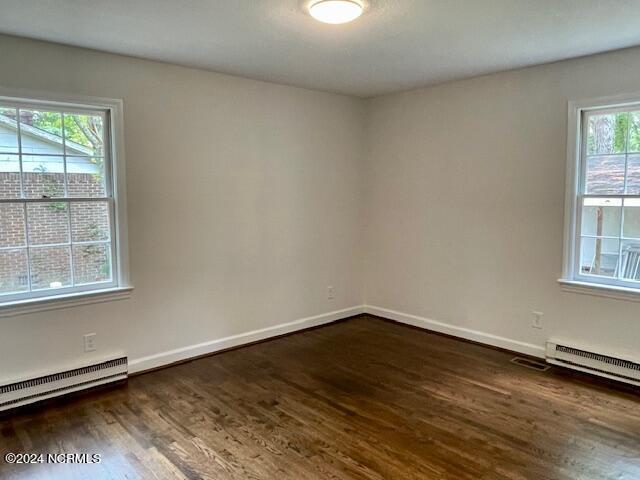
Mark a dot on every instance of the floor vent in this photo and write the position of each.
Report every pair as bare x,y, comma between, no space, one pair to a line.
533,364
34,389
593,362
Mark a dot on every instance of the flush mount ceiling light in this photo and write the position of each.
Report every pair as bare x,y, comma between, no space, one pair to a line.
336,11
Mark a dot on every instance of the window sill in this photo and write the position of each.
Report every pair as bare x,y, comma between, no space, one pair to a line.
599,290
33,305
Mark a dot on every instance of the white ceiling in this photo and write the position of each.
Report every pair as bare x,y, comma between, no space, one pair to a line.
395,45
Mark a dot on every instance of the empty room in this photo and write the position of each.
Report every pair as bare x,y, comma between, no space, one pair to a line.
320,239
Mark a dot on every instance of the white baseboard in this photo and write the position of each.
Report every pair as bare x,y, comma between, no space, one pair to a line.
476,336
184,353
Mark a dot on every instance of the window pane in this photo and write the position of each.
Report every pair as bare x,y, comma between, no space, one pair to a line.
8,130
633,174
607,133
9,176
12,225
13,271
605,175
85,177
631,228
601,217
50,267
634,132
45,153
84,134
89,221
92,263
43,176
630,265
41,132
599,256
48,223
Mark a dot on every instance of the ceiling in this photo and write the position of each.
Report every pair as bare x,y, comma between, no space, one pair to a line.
395,45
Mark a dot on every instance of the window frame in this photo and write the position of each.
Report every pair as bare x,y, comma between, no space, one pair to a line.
115,194
572,278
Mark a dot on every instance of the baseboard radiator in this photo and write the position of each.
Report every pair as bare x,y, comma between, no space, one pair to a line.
584,360
30,390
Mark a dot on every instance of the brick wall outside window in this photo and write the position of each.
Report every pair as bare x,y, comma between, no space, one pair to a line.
49,223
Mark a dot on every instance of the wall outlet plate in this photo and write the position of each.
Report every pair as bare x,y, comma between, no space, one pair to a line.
536,319
90,342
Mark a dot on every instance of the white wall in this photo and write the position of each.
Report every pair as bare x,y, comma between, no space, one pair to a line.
465,202
244,205
247,199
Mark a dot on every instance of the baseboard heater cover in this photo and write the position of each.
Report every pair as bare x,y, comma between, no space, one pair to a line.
578,358
34,389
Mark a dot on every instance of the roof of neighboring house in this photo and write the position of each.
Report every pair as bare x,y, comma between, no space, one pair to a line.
606,174
79,162
45,136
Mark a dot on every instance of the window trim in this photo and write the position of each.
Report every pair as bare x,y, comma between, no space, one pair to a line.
572,280
115,182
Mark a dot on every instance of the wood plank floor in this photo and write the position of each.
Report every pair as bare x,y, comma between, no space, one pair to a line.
361,399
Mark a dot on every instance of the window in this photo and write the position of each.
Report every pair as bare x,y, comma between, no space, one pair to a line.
603,233
59,211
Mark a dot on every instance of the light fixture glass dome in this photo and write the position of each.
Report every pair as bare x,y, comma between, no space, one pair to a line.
336,11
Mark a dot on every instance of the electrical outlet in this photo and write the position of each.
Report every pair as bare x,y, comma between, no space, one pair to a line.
536,319
330,292
90,342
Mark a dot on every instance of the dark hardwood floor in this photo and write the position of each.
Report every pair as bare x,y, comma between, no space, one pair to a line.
364,399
